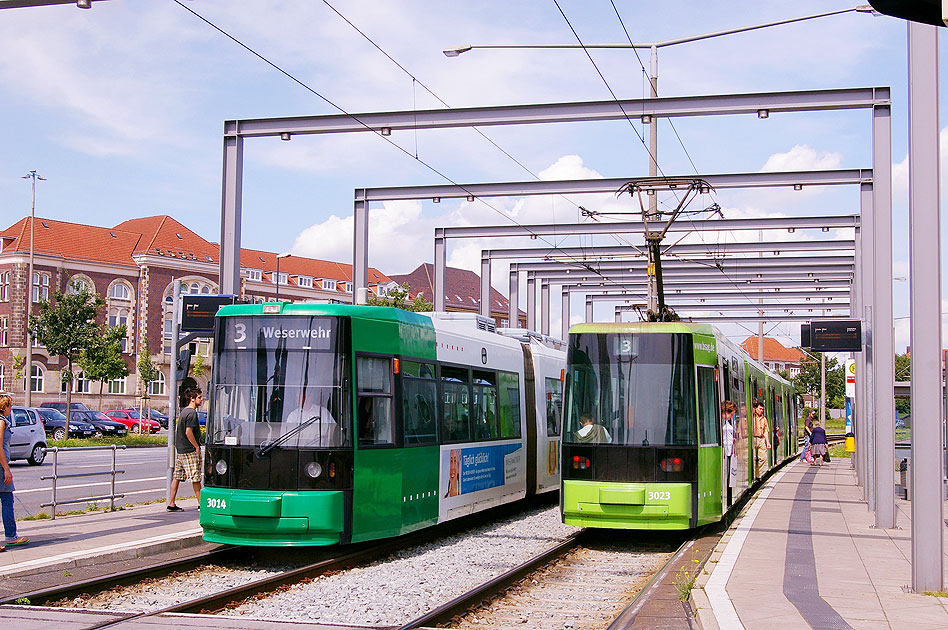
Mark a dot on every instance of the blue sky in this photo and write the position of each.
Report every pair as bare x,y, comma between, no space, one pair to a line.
121,107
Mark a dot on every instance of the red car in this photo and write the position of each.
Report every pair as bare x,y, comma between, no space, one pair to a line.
134,422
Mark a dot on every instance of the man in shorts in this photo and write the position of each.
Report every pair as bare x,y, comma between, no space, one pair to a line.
187,446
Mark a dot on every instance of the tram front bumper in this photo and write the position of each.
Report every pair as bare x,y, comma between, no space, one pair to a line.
627,505
271,518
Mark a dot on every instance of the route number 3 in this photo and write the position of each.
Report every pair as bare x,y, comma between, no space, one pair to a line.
220,504
659,496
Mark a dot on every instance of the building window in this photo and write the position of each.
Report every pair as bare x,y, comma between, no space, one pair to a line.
120,318
329,285
166,336
81,384
5,287
348,287
4,326
40,287
305,281
255,274
78,284
119,291
205,290
284,278
2,378
157,386
117,386
37,378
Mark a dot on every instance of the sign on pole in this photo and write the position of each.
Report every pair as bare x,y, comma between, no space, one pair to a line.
850,378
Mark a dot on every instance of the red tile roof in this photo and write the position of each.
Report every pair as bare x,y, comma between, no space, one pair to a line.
462,288
158,235
773,351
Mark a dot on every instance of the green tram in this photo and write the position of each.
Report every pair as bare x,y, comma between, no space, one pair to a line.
338,424
642,442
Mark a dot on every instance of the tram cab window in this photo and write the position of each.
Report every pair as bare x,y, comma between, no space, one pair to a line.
419,393
708,407
554,406
509,407
484,407
455,404
374,407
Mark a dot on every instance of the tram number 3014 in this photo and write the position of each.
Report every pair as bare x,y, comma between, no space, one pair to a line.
659,496
220,504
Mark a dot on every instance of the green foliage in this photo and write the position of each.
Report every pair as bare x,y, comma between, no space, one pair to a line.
147,372
132,439
66,325
101,359
199,369
399,297
22,601
19,362
903,404
808,381
903,367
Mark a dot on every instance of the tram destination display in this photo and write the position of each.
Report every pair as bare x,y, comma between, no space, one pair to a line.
837,335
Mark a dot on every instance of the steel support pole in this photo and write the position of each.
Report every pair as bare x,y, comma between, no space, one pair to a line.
545,307
484,305
928,559
231,204
531,302
589,309
867,222
173,381
440,263
564,313
859,406
883,346
360,250
513,302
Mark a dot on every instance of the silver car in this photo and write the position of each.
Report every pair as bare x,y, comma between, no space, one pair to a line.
29,438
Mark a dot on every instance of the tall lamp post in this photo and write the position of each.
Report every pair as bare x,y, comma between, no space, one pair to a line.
279,256
32,175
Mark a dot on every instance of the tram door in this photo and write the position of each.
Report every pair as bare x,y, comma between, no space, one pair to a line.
709,451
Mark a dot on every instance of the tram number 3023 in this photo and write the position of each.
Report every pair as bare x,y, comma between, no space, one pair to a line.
220,504
660,496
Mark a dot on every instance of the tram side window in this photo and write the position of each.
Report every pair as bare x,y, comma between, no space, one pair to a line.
484,417
374,409
509,404
554,406
455,405
708,407
419,402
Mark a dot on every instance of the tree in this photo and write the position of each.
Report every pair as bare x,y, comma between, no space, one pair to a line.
903,367
808,381
199,368
399,297
147,372
101,360
66,325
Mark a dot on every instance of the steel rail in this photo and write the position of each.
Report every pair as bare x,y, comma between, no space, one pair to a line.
459,605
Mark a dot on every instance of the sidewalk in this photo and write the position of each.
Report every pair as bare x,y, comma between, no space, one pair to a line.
85,539
805,555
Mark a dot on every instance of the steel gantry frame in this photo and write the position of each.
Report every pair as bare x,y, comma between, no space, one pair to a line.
873,291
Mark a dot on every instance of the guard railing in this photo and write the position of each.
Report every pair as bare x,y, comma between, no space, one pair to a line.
56,450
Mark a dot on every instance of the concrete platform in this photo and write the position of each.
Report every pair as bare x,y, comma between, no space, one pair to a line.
804,554
71,542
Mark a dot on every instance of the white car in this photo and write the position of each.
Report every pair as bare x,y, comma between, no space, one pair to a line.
29,438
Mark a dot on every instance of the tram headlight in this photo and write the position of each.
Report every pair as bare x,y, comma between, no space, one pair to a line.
313,470
221,467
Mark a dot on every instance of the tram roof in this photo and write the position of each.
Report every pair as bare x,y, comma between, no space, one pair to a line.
642,327
379,313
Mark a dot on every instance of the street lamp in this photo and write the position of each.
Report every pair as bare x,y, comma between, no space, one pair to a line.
653,78
32,175
278,257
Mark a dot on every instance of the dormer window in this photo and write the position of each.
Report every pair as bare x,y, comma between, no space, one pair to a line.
329,285
348,287
284,278
305,281
254,274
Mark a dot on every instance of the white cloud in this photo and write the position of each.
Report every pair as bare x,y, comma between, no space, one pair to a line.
802,158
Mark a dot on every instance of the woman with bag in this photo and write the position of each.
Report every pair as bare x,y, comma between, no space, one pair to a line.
807,433
818,444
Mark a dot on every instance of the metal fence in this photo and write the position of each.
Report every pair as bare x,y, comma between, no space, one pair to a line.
56,476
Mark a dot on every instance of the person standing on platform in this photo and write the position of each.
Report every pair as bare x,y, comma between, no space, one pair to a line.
818,444
807,433
187,445
6,488
761,439
728,441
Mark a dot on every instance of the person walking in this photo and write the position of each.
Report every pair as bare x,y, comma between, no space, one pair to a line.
6,488
761,439
807,433
187,446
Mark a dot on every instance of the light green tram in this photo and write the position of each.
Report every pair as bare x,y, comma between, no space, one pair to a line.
336,423
642,442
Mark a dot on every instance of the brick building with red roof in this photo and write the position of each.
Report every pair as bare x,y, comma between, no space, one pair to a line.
132,266
777,357
462,292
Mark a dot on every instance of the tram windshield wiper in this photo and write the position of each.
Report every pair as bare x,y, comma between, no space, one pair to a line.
283,438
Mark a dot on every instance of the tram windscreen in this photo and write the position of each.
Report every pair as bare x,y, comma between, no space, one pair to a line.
631,389
278,383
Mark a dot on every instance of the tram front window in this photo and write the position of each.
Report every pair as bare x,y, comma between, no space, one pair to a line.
636,390
278,384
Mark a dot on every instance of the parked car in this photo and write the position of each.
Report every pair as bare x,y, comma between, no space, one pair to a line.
133,421
157,416
103,424
55,424
61,406
29,438
202,418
